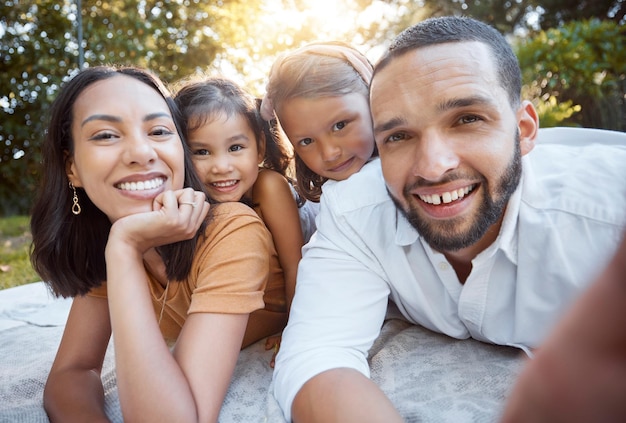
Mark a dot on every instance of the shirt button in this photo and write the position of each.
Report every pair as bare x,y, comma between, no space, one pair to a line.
443,266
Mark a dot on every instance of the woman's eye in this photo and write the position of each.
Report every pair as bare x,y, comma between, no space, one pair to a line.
305,141
161,131
339,126
103,136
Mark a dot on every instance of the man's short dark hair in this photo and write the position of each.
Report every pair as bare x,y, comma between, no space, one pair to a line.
450,29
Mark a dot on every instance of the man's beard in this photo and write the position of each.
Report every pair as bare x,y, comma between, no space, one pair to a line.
444,235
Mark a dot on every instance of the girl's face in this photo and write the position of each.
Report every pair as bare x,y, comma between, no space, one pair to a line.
226,156
332,135
126,146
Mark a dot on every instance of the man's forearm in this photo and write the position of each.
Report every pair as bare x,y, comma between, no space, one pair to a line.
342,395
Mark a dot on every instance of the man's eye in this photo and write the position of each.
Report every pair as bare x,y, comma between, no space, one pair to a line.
396,137
469,119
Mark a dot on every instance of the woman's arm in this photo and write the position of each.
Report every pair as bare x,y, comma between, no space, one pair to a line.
279,211
151,384
73,391
189,384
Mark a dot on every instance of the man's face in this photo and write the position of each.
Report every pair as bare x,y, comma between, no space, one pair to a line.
450,142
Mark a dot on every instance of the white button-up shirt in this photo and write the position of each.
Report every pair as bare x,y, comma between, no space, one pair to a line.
561,227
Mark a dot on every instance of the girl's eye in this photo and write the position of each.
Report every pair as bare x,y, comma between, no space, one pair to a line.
305,141
201,152
236,147
339,125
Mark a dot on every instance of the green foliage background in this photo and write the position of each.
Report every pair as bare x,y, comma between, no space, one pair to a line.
584,64
572,53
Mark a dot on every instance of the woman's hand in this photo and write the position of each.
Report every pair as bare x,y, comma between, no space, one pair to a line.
176,216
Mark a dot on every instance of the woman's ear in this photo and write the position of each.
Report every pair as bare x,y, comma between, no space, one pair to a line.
527,126
70,170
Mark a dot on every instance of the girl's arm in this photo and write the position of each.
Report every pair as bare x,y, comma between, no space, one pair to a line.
279,211
73,391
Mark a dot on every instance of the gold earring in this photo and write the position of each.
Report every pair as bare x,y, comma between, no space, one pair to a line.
75,207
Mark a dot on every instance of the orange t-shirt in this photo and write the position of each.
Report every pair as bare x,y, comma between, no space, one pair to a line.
234,268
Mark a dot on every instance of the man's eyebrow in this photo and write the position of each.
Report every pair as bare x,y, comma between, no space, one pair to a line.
457,103
390,124
111,118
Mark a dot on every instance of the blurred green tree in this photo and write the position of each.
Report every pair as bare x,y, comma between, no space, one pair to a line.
177,38
39,48
581,64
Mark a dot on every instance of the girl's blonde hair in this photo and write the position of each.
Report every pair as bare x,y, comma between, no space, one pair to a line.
328,69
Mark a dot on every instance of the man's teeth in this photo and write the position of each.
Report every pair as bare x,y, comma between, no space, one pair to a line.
446,197
224,184
141,185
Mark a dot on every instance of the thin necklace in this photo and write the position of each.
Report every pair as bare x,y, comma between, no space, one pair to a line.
167,286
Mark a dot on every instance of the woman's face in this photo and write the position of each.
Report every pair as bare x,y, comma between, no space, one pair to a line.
127,149
332,135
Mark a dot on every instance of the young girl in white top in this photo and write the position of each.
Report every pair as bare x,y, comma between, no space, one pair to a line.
319,94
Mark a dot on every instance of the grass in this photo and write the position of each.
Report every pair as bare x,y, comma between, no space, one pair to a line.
15,239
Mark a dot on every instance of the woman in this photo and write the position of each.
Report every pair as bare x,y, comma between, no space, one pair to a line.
120,225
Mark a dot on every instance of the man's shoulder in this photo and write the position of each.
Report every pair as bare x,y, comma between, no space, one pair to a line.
363,189
580,136
583,179
579,161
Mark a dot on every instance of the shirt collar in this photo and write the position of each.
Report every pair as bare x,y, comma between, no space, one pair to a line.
507,238
406,234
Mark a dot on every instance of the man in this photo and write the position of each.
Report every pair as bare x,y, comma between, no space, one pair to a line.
471,229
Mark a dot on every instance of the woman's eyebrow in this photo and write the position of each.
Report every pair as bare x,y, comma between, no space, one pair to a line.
108,118
111,118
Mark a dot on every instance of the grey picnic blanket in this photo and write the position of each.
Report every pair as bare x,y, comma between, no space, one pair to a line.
428,376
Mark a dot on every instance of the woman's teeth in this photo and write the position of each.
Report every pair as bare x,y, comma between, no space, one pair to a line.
141,185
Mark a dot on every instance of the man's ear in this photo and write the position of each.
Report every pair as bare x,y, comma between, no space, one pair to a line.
70,170
527,126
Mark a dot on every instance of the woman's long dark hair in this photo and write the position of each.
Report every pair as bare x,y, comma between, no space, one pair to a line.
67,250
